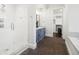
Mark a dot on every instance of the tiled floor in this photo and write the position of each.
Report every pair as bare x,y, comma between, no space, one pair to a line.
49,46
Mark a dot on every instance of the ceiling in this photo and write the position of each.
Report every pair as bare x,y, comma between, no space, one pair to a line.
47,6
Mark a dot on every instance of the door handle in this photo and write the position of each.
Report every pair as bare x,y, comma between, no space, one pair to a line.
12,26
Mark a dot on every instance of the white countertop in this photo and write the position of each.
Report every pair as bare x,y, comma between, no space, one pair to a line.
39,28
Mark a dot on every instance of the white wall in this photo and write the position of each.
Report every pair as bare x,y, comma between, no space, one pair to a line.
73,17
46,20
13,41
71,24
32,26
65,22
70,19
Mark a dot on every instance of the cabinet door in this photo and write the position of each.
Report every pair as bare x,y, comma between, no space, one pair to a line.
37,36
21,26
42,33
6,32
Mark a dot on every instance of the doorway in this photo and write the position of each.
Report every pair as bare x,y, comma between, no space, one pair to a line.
57,22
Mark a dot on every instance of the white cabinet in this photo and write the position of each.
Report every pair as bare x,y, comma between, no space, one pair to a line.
13,36
19,28
6,33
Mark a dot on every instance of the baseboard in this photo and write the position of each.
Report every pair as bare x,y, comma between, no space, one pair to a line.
49,35
20,50
33,46
68,48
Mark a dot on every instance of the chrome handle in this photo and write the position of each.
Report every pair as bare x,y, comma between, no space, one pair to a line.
12,26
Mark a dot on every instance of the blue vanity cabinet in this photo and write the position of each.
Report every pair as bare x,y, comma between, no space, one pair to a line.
40,34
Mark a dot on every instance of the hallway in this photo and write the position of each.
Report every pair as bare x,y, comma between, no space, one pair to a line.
49,46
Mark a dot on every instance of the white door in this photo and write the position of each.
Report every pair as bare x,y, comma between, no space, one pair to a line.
13,36
6,32
20,27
